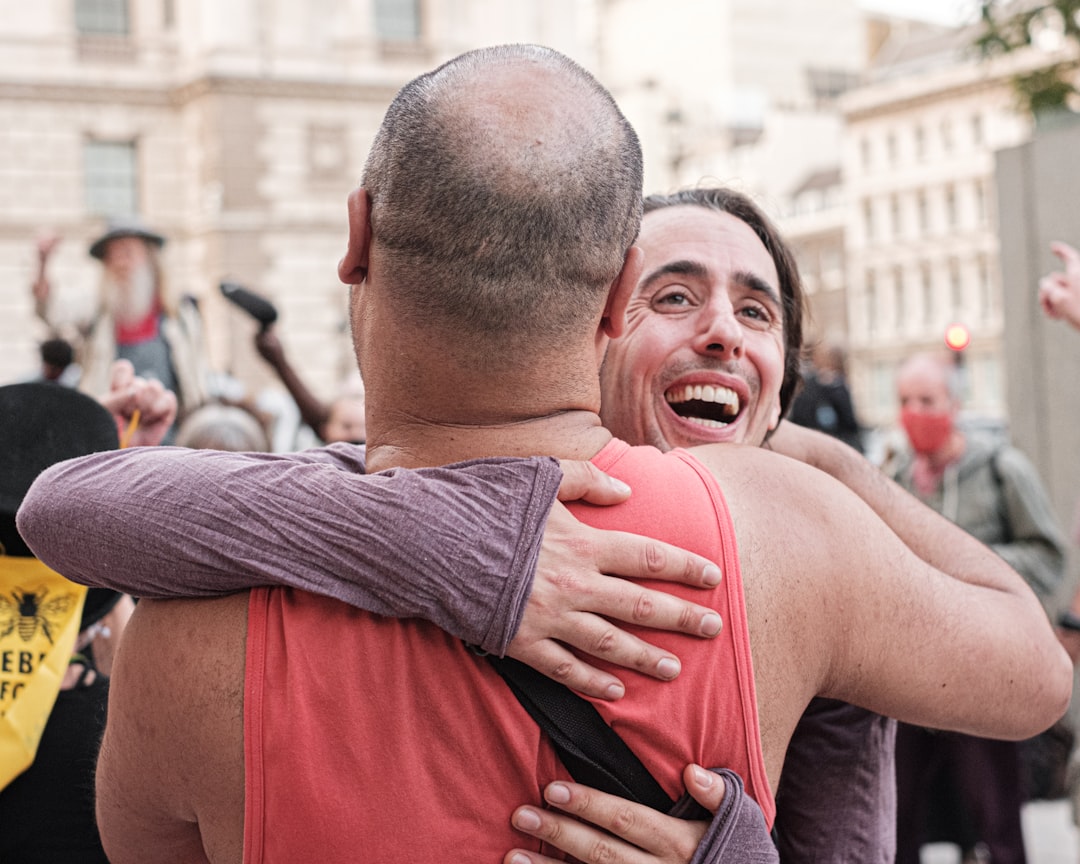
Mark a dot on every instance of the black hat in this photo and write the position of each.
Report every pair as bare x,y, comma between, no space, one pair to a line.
124,228
42,424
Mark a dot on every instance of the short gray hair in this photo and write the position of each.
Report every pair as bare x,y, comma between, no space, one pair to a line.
481,234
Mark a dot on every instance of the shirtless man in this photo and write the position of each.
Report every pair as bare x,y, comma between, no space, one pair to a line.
547,404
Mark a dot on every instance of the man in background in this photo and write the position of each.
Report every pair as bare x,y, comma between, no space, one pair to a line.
134,317
993,492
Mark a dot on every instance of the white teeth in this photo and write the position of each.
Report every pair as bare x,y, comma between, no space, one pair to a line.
706,393
711,424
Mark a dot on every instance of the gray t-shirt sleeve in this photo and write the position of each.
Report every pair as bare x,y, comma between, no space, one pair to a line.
456,545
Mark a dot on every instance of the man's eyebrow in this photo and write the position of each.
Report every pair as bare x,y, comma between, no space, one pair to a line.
674,268
756,283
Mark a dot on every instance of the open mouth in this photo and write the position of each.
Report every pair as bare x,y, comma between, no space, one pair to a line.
713,407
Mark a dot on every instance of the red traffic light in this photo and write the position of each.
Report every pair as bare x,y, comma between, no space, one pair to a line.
957,337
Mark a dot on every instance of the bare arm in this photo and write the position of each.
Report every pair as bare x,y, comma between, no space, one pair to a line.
153,801
876,622
458,547
313,410
930,536
40,287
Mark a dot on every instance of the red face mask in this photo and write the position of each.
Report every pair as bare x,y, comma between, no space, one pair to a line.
926,432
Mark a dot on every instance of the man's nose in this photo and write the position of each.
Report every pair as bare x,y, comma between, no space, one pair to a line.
719,334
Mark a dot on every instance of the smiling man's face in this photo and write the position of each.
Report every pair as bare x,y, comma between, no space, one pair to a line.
702,358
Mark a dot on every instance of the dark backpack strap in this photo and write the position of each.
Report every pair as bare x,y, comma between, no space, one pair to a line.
591,750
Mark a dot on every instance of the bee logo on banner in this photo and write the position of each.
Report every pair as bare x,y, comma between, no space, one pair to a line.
40,616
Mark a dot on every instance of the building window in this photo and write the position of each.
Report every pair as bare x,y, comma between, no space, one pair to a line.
927,278
864,153
946,136
986,290
868,219
950,206
109,178
109,17
982,201
920,143
899,304
871,303
923,212
890,148
168,14
956,288
895,216
977,130
397,20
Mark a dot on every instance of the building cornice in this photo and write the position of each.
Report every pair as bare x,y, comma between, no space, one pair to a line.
922,98
168,96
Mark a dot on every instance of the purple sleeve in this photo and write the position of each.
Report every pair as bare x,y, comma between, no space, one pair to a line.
456,545
836,800
737,833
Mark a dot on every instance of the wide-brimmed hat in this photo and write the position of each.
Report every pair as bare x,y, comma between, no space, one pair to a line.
118,228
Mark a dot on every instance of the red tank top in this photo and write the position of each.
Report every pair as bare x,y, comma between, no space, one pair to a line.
375,739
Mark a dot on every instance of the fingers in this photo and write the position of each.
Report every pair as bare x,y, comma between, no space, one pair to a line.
121,375
583,480
1069,256
144,410
705,787
635,557
573,603
552,659
613,830
155,403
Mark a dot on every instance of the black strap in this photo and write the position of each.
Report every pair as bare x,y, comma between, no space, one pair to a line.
591,750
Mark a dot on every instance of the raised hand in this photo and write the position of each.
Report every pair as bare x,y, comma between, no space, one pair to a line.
144,410
1059,292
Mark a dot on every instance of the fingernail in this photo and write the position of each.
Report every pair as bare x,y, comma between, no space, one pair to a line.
619,486
711,623
614,691
527,820
518,858
711,575
701,776
557,793
669,667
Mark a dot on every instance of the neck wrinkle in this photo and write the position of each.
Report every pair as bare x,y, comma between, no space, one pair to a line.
417,444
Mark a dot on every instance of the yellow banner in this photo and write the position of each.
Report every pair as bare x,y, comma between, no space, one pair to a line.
40,613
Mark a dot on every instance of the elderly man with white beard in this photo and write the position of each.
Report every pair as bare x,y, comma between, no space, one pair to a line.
133,317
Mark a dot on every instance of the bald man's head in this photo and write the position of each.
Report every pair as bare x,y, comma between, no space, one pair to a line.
505,190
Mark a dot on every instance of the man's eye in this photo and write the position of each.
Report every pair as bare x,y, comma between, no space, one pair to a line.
758,313
672,298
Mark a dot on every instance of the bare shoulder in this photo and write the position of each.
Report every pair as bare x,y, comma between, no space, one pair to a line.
874,623
779,508
171,773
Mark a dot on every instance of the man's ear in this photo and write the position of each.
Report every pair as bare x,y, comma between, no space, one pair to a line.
352,269
622,289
